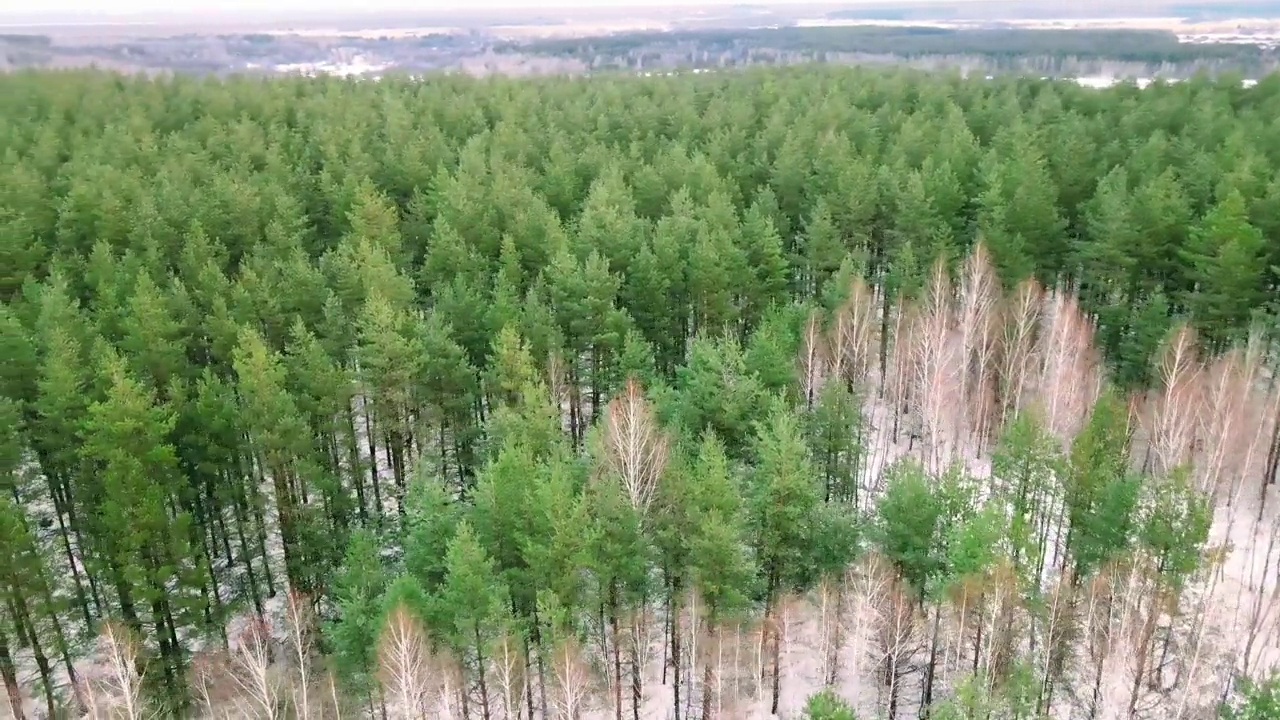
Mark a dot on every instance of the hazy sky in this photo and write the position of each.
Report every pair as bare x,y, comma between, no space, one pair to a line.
276,7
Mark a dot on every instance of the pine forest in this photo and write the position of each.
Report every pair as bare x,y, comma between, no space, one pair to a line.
806,392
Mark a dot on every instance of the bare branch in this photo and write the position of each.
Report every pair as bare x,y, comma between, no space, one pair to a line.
123,683
509,673
251,670
1022,315
300,628
572,681
853,334
405,665
1175,409
977,315
636,446
813,358
1070,377
935,369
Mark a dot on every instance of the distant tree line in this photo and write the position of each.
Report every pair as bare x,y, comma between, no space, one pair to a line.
1148,46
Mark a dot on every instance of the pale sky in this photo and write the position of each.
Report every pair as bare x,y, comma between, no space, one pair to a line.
13,8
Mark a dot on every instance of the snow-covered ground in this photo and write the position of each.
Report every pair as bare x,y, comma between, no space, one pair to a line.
356,66
1225,623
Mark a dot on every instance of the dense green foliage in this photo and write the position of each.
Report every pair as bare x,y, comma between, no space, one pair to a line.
360,340
1256,702
826,705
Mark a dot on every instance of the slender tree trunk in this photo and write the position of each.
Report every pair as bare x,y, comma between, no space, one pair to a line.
208,548
637,672
1269,469
838,634
668,627
373,461
19,606
1099,661
332,445
171,627
167,653
223,536
10,676
258,513
884,347
245,554
64,650
676,660
575,404
444,453
528,673
542,669
617,650
1045,703
389,455
706,694
484,686
464,694
1097,691
353,462
1143,654
776,653
894,684
396,450
1157,673
288,533
125,595
977,643
595,383
706,669
63,505
637,685
927,699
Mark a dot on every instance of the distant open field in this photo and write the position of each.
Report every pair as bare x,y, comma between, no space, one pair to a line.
553,21
578,39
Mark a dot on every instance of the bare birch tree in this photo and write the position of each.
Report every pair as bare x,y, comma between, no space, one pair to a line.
639,641
788,610
852,337
1070,377
900,380
936,371
869,581
721,653
1176,405
405,665
300,629
636,446
120,693
899,640
509,673
977,316
693,628
1112,628
831,627
208,673
572,678
252,672
812,363
1021,318
1060,632
449,693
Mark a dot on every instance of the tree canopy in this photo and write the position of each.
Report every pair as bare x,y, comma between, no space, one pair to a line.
513,398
